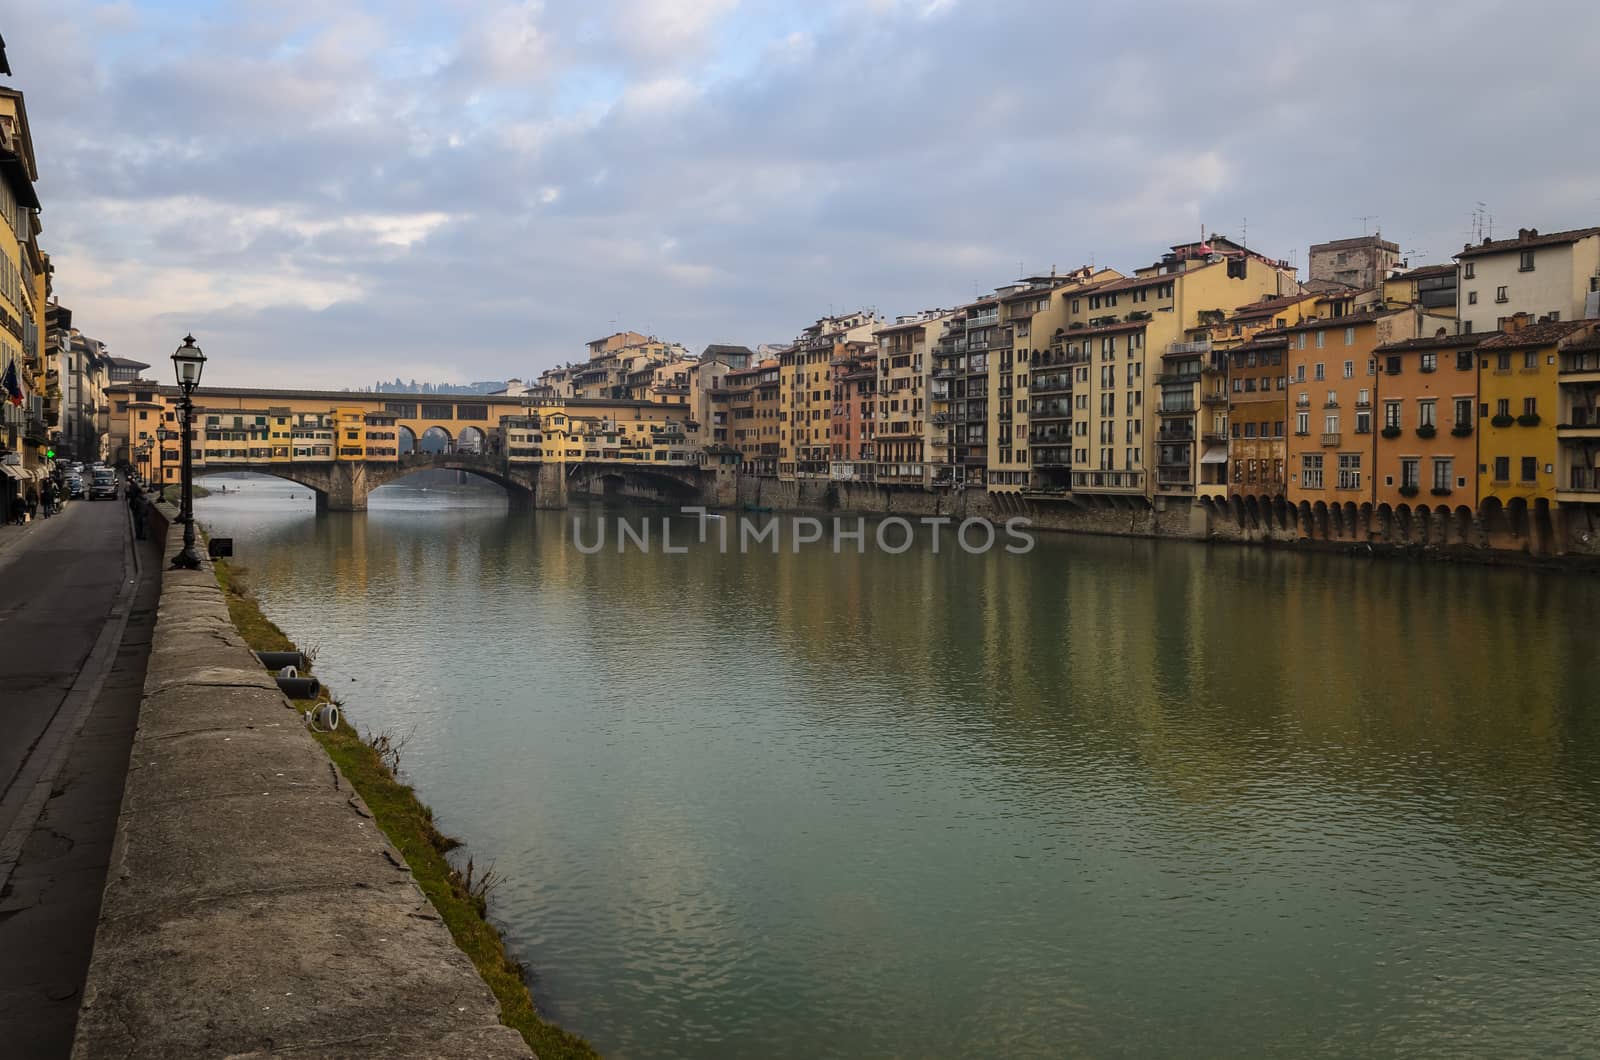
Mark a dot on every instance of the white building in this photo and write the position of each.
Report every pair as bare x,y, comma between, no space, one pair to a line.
1554,276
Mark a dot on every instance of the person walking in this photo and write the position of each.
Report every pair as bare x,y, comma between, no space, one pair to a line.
33,503
47,496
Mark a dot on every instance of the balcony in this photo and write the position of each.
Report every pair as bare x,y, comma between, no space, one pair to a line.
1179,349
1331,439
1176,433
1213,399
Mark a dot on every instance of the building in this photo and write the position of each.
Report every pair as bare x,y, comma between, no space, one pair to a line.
806,392
1432,288
1332,382
1578,424
906,450
1554,276
1520,404
1127,328
25,431
753,415
1427,446
1258,410
1360,263
853,417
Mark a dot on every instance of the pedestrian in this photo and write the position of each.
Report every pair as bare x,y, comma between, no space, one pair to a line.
33,503
47,496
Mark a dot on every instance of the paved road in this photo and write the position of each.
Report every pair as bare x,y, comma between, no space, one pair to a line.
75,619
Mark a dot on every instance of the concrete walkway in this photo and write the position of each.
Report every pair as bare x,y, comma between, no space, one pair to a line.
252,907
74,631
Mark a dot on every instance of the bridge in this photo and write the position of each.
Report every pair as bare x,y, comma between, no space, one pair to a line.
342,445
344,485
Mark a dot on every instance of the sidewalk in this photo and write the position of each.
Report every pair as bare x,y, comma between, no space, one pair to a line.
74,635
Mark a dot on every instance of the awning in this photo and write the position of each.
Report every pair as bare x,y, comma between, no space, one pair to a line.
12,472
1214,456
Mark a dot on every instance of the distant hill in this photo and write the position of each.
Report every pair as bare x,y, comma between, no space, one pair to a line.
401,386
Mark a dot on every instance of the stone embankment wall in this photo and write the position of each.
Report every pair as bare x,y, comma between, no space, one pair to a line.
252,907
1566,535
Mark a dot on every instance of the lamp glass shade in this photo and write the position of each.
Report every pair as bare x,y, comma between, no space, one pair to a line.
188,362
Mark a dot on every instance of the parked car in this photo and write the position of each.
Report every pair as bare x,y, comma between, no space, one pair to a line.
75,486
103,484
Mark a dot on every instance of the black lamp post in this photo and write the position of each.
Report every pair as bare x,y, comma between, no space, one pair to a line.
188,362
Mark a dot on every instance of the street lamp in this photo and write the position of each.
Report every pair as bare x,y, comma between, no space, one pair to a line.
188,362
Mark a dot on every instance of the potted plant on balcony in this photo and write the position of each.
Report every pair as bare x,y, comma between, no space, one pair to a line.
1426,430
1391,431
1503,419
1441,491
1528,419
1408,491
1461,430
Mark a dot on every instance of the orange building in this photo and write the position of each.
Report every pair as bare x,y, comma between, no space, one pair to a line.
1332,378
1258,414
1427,449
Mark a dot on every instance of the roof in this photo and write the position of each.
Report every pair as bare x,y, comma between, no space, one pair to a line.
1435,342
15,169
1346,321
1269,306
1527,237
717,349
1425,271
127,362
1356,241
1130,283
1265,341
1545,334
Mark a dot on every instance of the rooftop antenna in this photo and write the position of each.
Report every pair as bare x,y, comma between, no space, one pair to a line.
1244,232
1364,218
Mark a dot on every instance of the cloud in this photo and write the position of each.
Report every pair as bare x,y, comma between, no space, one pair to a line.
328,190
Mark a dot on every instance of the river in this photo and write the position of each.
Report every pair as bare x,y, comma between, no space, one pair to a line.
1109,798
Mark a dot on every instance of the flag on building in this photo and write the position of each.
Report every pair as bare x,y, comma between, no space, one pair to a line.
11,384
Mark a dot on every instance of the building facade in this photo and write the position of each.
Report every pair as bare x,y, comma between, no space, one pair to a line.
1427,446
1550,276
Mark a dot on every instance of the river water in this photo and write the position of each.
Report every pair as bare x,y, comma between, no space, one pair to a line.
1110,798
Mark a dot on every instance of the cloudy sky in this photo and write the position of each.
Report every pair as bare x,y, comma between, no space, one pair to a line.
331,192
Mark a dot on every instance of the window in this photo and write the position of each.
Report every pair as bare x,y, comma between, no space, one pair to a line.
1530,468
1463,412
1469,270
1502,469
1502,362
1526,262
1502,407
1311,471
1444,473
1530,360
1300,373
1392,364
1330,423
1472,297
1363,422
1430,362
1500,295
1409,473
1391,414
1463,360
1333,400
1321,337
1363,397
1530,406
1425,413
1349,369
1349,471
1302,423
1318,372
1349,336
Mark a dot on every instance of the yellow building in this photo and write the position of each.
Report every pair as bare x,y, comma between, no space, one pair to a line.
805,392
905,387
24,430
1128,328
1519,406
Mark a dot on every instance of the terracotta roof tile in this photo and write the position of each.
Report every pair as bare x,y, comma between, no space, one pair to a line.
1501,246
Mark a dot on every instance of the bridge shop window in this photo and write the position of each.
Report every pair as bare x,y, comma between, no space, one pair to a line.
438,412
472,412
401,408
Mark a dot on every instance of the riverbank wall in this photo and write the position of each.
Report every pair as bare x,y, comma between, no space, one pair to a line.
1567,538
252,905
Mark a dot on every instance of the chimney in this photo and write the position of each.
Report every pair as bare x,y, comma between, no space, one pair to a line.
1516,322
